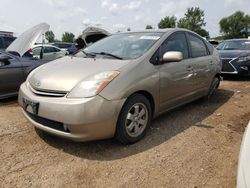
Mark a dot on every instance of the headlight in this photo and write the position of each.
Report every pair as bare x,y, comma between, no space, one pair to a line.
245,58
93,85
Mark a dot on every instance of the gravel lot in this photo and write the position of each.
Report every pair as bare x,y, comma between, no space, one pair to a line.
196,145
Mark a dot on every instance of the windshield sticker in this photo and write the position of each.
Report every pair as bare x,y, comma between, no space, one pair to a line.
150,37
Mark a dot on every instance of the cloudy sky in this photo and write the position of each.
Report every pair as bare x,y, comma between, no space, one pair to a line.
113,15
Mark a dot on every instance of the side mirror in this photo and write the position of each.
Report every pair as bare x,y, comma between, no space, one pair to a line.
172,56
4,60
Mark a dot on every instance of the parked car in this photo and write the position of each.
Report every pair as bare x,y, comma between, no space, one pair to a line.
48,52
214,43
70,47
243,179
16,63
6,38
117,85
235,55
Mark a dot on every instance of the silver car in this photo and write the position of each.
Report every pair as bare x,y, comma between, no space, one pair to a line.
114,87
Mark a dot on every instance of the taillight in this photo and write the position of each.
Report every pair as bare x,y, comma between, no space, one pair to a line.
30,51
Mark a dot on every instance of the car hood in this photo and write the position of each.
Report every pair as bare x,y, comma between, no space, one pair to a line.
27,39
63,74
94,30
233,53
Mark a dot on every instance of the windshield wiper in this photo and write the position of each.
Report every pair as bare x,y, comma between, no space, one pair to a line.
108,54
88,54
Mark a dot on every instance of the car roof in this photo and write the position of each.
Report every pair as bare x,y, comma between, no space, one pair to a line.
46,45
62,43
158,30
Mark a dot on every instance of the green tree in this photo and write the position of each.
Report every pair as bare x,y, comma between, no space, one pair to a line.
68,37
167,22
194,20
149,27
50,36
236,25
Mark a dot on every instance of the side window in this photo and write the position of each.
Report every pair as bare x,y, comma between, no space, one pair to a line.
198,48
56,50
48,50
176,42
37,50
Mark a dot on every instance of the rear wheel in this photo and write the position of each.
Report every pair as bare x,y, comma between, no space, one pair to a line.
134,119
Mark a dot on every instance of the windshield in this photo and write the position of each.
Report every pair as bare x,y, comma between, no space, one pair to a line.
234,45
122,46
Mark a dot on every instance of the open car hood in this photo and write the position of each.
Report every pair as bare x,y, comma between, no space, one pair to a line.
94,30
91,35
27,39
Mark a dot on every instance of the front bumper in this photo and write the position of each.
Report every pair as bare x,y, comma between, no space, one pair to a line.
76,119
233,66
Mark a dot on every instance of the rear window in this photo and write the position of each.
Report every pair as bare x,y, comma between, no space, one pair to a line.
210,47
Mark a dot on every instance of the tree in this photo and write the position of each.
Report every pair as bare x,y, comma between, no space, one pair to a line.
236,25
128,29
149,27
50,36
194,20
167,22
68,37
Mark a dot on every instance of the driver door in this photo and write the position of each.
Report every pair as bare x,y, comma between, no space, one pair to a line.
177,82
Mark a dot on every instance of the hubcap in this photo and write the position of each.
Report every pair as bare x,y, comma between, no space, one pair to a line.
137,119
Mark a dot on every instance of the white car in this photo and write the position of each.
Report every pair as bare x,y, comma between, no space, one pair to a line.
243,179
48,52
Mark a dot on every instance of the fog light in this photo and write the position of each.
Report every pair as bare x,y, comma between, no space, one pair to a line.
244,68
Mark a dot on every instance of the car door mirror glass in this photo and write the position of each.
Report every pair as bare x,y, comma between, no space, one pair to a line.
172,56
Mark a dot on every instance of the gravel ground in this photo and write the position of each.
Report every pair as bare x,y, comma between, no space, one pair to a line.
196,145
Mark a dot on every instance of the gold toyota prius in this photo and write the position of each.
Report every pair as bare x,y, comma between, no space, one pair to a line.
114,87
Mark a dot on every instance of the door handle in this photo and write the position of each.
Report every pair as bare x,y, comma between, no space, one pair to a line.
190,68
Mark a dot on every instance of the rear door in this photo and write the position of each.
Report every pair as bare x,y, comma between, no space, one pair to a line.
11,76
176,78
202,62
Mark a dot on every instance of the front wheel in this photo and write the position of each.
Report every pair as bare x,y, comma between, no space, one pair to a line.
134,119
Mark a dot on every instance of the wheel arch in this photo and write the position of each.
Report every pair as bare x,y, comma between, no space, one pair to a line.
150,98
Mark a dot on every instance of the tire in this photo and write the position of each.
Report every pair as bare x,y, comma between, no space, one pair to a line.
134,119
214,85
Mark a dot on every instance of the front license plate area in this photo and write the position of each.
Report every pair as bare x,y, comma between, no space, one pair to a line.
30,106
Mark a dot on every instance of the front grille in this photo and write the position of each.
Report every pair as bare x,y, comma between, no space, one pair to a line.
47,122
226,65
47,93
